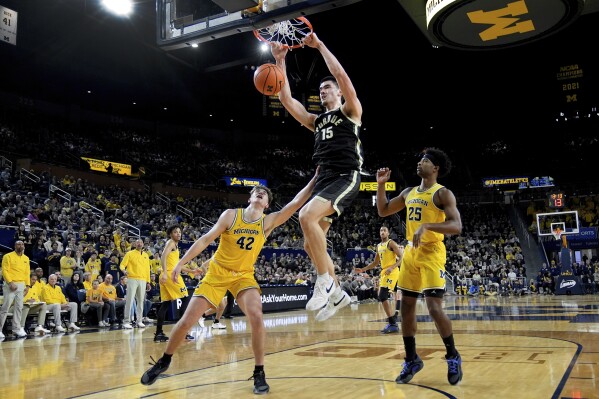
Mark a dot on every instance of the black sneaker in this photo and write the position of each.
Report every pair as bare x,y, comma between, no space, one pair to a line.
454,369
160,337
409,370
260,385
158,367
189,337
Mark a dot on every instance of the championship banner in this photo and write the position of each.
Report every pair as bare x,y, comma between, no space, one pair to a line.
570,83
272,107
313,103
101,165
8,25
233,181
372,185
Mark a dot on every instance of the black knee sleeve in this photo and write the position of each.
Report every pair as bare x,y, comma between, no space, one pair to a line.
383,294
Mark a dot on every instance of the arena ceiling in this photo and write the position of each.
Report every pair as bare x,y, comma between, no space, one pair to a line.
73,51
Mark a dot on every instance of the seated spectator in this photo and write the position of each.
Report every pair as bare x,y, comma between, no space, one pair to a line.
93,265
33,304
87,281
300,280
59,279
93,300
56,301
73,288
110,298
53,258
68,265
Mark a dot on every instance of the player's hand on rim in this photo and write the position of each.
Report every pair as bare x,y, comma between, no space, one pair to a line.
278,50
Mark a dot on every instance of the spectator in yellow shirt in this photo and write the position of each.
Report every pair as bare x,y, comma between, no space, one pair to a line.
68,264
136,266
93,265
33,304
93,299
56,301
15,273
87,281
110,298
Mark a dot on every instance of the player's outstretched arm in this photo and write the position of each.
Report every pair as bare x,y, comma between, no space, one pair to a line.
275,219
352,106
293,106
384,206
224,221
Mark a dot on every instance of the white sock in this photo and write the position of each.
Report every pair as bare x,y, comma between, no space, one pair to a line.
325,275
337,293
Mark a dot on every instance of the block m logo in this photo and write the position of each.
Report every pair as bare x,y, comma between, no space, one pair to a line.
571,98
502,24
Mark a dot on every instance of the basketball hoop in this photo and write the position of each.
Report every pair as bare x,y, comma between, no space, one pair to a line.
557,234
290,33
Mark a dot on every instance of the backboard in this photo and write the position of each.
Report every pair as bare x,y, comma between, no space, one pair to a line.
566,222
182,23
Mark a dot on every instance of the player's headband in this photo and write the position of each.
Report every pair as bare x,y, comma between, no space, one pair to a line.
431,158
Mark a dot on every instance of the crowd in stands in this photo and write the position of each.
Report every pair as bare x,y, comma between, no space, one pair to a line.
64,237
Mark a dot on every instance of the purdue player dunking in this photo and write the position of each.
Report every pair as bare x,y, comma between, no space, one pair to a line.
242,233
338,152
431,213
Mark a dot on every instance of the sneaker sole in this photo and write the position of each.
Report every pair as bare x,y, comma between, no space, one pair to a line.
344,302
312,306
457,382
147,378
406,379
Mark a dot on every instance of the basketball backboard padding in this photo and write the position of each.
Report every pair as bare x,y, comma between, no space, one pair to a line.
174,32
567,221
235,5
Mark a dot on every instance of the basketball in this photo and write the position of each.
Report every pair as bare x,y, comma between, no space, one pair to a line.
269,79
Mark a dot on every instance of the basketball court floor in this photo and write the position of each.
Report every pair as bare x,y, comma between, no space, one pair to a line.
524,347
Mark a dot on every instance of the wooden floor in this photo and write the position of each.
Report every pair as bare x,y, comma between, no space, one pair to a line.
529,347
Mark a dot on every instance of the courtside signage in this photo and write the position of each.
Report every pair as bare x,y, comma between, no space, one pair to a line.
372,186
101,165
235,181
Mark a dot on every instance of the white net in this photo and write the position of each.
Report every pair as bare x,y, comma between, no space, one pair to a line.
557,234
290,33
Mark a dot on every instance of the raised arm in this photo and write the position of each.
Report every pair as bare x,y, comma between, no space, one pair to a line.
275,219
384,206
224,222
351,106
293,106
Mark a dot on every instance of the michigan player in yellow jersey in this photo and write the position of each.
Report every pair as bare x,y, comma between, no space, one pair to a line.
242,233
431,213
171,290
388,255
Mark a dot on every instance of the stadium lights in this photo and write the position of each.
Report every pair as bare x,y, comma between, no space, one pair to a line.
118,7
